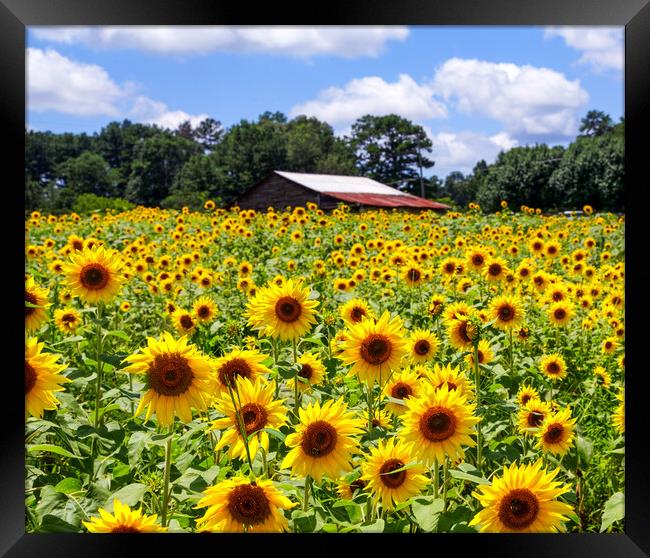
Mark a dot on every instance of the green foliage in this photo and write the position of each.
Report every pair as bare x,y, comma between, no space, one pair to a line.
86,203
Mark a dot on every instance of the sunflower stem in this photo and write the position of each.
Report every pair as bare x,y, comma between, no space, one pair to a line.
305,500
479,448
436,487
512,356
296,387
242,427
100,367
370,411
168,464
444,484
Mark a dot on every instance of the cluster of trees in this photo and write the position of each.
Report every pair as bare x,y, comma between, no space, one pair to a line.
148,165
590,170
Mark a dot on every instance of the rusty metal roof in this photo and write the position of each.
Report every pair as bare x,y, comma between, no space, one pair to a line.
394,200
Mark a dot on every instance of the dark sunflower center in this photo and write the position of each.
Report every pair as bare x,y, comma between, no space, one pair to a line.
94,276
170,374
525,399
535,418
357,485
254,417
462,332
186,321
518,509
30,377
437,424
288,309
203,312
29,297
506,313
248,504
376,349
553,433
477,260
319,439
450,267
553,368
230,370
357,314
401,391
306,371
494,269
390,479
125,529
414,275
524,272
77,244
560,314
68,318
422,347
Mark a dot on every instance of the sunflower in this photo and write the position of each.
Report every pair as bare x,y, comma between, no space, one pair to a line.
67,319
436,305
238,363
374,348
346,489
461,333
257,410
282,311
531,416
94,274
412,275
553,366
183,321
382,419
239,505
388,479
36,297
177,377
475,258
556,433
42,378
525,394
495,269
401,385
522,500
324,440
204,309
453,310
609,345
450,376
312,372
485,354
560,313
602,377
618,416
438,424
355,310
507,311
123,520
423,345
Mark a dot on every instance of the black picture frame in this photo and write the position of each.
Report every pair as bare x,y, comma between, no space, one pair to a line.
16,15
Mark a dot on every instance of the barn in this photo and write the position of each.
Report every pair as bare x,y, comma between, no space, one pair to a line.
281,189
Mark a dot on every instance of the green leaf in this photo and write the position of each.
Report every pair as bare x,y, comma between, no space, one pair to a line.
137,442
120,334
131,495
53,524
585,449
466,476
68,486
614,511
426,511
376,527
52,449
305,521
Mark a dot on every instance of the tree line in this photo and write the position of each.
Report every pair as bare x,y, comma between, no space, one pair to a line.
147,165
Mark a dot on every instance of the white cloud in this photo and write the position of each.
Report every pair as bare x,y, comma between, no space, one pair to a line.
601,47
296,41
461,151
529,101
155,112
373,95
57,83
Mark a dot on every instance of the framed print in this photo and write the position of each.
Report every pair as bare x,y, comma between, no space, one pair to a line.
361,273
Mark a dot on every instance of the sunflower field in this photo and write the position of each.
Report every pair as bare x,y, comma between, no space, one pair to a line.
301,371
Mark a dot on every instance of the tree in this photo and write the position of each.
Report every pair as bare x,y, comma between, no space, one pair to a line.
199,179
596,123
185,130
390,149
208,134
88,173
157,161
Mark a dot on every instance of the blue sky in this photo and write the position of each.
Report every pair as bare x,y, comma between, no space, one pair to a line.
475,90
